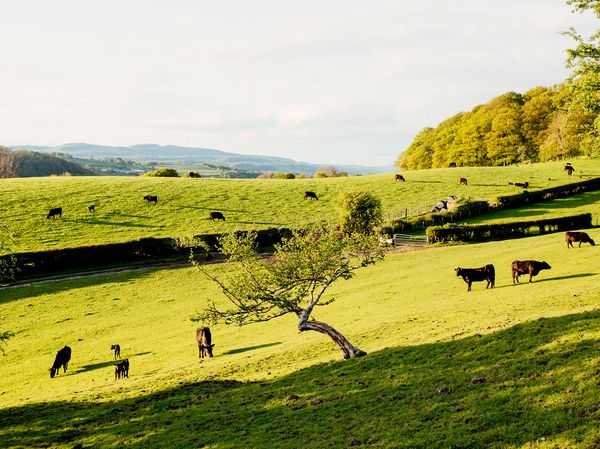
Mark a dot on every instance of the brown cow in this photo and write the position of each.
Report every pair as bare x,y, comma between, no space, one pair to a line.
151,198
54,212
399,177
470,275
216,216
203,338
117,350
310,195
580,237
531,267
122,369
463,181
62,359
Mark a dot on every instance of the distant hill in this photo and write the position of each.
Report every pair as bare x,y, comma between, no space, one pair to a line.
24,164
177,154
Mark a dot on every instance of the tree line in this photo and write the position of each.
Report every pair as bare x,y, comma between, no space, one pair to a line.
23,164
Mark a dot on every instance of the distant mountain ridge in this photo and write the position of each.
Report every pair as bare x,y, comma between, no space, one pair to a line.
178,154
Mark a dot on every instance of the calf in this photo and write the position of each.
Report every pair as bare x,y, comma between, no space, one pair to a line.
54,212
117,350
569,169
310,195
151,198
399,177
470,275
580,237
463,181
62,359
91,208
531,267
216,216
203,338
122,369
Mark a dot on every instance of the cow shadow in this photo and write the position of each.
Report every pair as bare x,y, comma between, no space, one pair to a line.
124,223
251,348
270,223
568,276
212,209
106,364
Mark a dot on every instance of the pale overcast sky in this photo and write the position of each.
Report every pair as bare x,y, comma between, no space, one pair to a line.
328,81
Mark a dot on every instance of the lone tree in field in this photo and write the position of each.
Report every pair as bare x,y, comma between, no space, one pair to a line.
294,280
360,212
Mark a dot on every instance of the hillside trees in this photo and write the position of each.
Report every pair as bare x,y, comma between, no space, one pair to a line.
293,281
22,163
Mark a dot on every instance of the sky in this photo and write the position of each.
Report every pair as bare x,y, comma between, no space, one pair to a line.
325,81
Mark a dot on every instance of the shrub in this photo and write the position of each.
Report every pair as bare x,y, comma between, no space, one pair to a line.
360,212
163,173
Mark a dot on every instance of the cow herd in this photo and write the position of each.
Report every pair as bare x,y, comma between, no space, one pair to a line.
518,267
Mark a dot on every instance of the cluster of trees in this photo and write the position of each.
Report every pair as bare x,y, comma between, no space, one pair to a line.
329,172
163,173
23,164
541,125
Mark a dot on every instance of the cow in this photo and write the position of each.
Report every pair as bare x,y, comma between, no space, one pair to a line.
463,181
311,195
62,359
531,267
117,350
91,208
151,198
203,338
569,169
216,216
580,237
122,369
452,165
54,212
519,184
399,177
470,275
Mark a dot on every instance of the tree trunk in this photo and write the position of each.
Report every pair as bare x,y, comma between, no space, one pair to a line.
348,350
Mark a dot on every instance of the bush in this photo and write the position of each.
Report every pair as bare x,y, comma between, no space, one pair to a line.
360,212
163,173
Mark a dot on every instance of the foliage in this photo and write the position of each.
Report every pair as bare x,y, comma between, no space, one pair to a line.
293,281
163,173
541,125
330,171
22,164
192,174
360,212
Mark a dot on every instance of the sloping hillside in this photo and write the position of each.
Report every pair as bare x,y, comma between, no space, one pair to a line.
25,164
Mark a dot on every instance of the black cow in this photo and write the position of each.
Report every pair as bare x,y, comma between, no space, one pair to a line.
580,237
216,216
310,195
54,212
91,208
203,338
122,369
463,181
470,275
151,198
62,359
399,177
531,267
117,350
569,169
519,184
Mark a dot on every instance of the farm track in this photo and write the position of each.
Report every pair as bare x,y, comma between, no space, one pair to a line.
142,267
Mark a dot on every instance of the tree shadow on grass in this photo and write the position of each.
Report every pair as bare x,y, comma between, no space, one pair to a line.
251,348
534,381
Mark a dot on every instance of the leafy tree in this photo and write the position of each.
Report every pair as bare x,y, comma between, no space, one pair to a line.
294,281
163,173
360,212
330,171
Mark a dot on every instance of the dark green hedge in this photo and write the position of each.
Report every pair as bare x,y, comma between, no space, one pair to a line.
43,262
479,233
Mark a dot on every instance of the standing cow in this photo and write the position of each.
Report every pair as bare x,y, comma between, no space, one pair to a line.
216,216
463,181
57,211
399,177
531,267
62,359
470,275
151,199
309,195
205,345
117,350
122,369
581,237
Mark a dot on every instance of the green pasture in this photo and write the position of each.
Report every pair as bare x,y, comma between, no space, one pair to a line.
184,204
512,367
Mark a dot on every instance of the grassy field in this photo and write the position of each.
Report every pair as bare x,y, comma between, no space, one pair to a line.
512,367
184,204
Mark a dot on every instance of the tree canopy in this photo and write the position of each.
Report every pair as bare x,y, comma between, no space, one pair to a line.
23,163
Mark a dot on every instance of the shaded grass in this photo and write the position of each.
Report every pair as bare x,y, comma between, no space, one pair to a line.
184,204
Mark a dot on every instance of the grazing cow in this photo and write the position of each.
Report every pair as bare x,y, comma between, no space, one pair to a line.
519,184
91,208
216,216
117,349
463,181
151,198
452,165
310,195
122,369
399,177
531,267
203,338
580,237
470,275
569,169
54,212
62,359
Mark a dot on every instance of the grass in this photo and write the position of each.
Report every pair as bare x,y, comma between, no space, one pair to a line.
512,367
184,204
